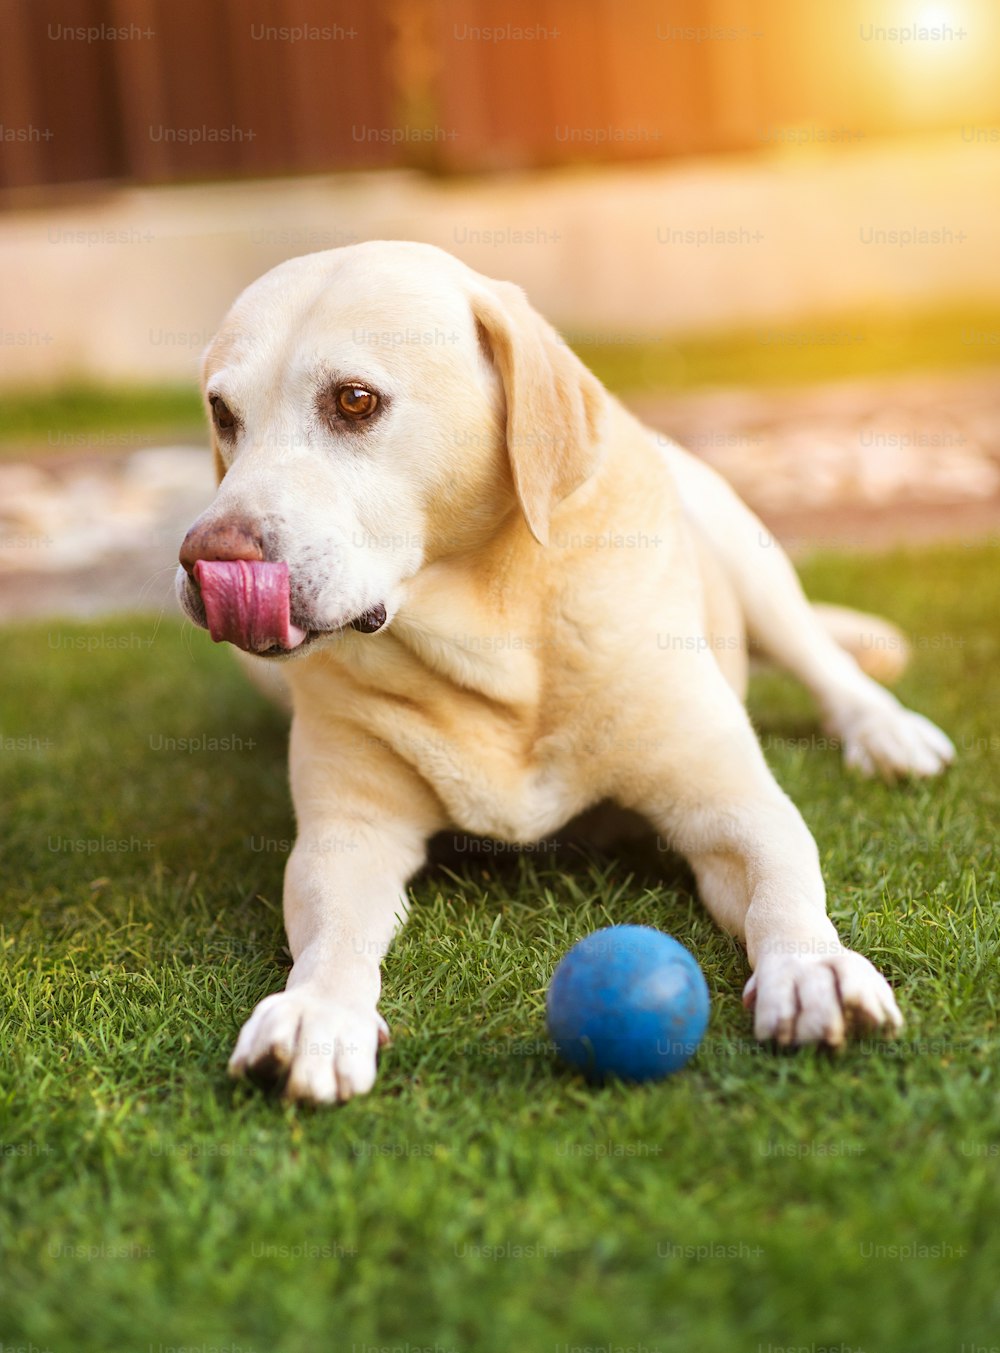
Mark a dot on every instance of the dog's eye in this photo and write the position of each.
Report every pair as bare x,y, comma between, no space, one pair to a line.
355,402
225,419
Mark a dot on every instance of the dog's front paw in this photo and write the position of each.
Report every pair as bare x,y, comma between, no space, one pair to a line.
313,1047
892,741
818,998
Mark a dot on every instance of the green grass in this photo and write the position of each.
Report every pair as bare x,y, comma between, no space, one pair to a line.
116,418
96,418
809,350
146,1201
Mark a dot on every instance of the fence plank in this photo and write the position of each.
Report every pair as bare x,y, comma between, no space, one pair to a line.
26,129
263,87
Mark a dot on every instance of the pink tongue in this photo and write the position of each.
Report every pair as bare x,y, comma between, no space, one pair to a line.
247,604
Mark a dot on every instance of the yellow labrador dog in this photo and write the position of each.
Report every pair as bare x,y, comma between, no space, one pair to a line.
506,601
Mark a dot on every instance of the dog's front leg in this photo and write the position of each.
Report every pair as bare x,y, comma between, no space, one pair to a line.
758,873
761,880
363,825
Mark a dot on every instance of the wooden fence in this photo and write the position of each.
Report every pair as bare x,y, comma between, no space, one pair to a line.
173,90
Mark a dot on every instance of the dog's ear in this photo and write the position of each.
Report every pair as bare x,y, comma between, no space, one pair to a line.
555,406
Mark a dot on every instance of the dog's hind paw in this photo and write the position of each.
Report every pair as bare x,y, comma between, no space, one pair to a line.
892,741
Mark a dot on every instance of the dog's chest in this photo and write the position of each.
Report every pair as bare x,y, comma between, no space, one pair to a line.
496,770
488,785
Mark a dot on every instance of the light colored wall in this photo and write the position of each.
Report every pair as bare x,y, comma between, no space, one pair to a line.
130,285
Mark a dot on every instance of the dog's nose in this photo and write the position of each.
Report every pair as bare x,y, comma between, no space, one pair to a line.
221,539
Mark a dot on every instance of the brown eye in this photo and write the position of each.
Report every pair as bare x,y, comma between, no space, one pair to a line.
355,402
225,419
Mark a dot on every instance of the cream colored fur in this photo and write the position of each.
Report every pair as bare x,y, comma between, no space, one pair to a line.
569,603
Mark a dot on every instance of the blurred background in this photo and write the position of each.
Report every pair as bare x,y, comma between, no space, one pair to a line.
771,225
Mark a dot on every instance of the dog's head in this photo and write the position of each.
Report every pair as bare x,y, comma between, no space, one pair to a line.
374,409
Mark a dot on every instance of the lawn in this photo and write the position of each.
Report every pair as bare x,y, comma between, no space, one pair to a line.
480,1198
96,419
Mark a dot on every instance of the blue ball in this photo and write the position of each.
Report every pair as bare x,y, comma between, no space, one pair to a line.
628,1001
